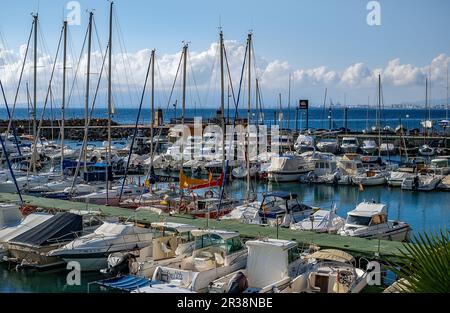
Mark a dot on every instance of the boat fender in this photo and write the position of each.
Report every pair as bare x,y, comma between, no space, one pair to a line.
238,284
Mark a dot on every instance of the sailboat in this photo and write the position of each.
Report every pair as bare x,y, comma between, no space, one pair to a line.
426,149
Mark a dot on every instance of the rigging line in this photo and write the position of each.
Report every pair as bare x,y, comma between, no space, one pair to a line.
20,79
10,118
222,192
161,81
127,66
212,73
78,67
86,129
35,140
72,65
195,81
135,129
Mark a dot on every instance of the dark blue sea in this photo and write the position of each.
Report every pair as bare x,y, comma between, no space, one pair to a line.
357,118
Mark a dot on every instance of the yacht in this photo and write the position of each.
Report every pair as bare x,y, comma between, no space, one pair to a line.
330,271
324,166
217,253
422,182
387,148
287,168
329,145
445,183
321,221
369,147
370,220
396,178
281,256
370,178
173,243
439,166
92,250
349,145
304,143
30,248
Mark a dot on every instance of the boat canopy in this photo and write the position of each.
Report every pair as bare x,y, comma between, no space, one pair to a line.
61,227
285,163
368,209
332,255
178,227
282,194
126,283
221,233
114,229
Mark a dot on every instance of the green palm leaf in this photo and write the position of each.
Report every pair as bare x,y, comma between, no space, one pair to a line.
423,266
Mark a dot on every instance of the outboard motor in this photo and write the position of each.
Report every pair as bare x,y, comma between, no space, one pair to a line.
238,284
121,266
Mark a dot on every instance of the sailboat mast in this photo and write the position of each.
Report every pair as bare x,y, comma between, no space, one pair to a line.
36,20
249,111
88,74
109,101
446,111
425,131
289,104
152,107
63,105
183,111
379,116
222,98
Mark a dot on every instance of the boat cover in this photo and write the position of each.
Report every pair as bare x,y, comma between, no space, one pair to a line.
62,227
125,283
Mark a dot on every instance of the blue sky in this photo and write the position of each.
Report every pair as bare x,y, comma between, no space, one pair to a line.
305,34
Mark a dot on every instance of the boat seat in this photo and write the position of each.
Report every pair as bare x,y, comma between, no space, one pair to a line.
165,248
340,288
219,259
312,283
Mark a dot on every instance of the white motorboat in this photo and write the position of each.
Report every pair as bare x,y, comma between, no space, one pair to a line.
246,213
241,171
304,143
112,196
439,166
426,150
324,165
173,243
331,271
396,178
349,145
370,220
370,178
92,250
24,183
387,148
287,168
369,147
282,257
217,253
329,145
422,182
321,221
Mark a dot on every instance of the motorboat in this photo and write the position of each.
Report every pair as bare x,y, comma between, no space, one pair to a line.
280,208
112,196
217,253
30,248
370,220
242,172
329,145
304,143
330,271
422,182
287,168
427,150
324,165
349,145
439,166
387,149
351,165
370,178
282,257
321,221
369,147
172,243
24,183
92,250
396,178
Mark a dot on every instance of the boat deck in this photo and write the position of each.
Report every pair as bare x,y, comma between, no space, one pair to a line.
371,249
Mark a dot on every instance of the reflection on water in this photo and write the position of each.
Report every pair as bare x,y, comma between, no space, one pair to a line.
26,281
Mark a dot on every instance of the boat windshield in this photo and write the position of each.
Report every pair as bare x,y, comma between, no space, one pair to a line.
359,220
207,241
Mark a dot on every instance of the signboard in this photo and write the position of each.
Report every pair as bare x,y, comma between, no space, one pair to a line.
303,104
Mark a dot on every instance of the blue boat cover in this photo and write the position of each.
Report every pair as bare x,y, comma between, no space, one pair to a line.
125,283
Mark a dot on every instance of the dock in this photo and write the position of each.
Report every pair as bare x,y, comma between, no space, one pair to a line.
371,249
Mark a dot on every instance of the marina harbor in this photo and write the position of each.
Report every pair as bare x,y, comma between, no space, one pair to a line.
221,171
